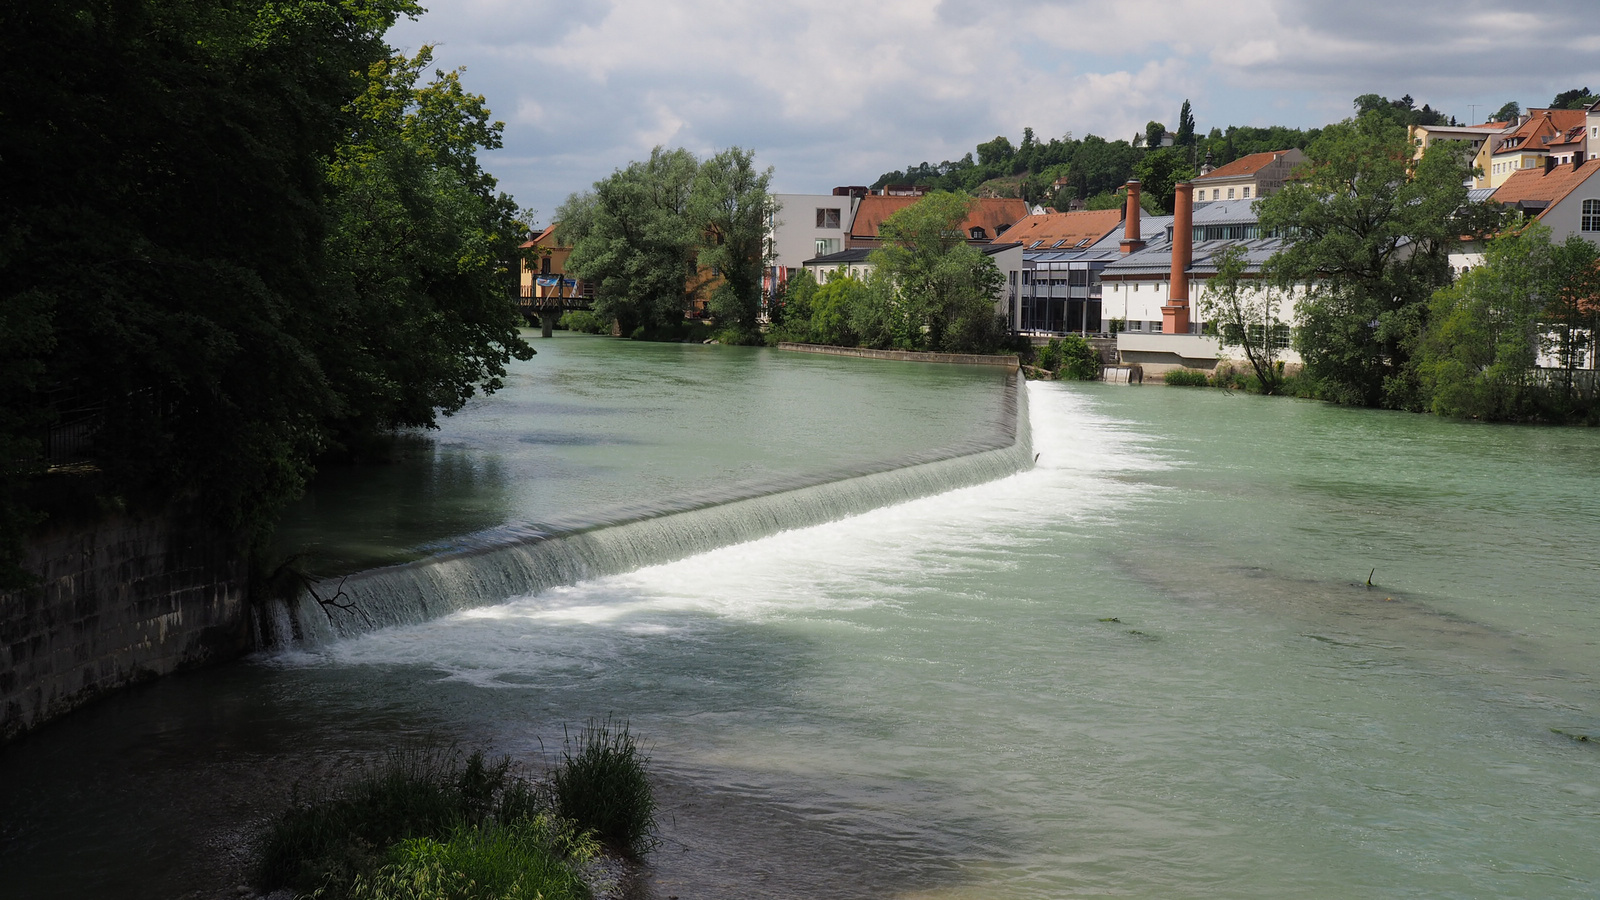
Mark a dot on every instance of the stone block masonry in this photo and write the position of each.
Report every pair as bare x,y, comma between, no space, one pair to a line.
121,602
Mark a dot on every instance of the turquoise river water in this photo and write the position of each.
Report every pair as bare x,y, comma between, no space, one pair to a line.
1146,665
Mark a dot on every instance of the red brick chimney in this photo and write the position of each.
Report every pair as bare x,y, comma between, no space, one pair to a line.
1175,314
1131,241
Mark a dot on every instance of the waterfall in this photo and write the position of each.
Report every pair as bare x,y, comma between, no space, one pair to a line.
495,566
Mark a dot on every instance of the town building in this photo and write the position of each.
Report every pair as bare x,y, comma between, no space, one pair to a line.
544,282
1543,134
1478,140
989,219
808,225
1062,257
1248,177
1153,296
1563,196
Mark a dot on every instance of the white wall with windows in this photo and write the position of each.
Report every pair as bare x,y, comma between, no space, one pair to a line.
807,226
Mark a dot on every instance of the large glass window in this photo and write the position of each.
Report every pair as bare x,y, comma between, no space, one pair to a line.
1591,215
827,218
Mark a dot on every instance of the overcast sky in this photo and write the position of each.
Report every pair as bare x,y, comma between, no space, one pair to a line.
831,93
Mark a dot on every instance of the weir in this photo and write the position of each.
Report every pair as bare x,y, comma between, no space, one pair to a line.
494,566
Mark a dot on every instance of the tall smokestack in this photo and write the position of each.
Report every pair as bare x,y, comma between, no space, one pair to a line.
1131,240
1175,314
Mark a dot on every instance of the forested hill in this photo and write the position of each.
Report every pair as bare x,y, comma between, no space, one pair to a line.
1094,168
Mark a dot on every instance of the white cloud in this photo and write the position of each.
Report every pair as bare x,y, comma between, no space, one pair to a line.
833,92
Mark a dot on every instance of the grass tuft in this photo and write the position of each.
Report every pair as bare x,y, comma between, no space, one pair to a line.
1186,378
602,786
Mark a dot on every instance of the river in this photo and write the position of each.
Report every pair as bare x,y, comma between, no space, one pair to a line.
1148,665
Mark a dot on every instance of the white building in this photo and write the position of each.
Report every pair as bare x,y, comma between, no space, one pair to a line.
807,226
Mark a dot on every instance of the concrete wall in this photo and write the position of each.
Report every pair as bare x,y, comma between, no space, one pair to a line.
963,359
129,600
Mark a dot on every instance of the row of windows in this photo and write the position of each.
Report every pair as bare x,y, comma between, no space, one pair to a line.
1281,335
1248,232
1216,194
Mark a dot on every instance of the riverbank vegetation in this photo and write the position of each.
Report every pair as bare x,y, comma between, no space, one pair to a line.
238,238
428,822
1070,357
927,288
657,235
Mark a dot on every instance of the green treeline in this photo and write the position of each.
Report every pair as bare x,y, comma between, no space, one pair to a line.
240,236
1094,168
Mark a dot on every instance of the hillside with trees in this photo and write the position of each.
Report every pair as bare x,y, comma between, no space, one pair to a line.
1092,169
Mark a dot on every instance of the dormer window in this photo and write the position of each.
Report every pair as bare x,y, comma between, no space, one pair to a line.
978,234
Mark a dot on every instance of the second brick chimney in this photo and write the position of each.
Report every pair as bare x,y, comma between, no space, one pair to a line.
1175,314
1131,240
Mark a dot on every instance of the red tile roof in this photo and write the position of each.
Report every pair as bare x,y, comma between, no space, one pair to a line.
1065,230
993,215
1543,127
1537,185
1244,165
543,238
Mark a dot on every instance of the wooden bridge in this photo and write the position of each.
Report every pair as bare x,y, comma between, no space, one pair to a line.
544,310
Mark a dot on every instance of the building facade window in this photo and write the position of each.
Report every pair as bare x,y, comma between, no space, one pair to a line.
1230,193
1247,193
1591,215
827,218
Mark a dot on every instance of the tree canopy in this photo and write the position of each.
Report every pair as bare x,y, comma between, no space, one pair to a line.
1577,98
938,289
654,235
1366,234
191,246
1487,329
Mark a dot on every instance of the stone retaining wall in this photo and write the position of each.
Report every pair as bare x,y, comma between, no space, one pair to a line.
1009,362
125,601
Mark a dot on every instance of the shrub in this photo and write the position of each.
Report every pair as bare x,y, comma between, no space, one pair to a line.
412,793
1079,361
585,322
1186,378
602,786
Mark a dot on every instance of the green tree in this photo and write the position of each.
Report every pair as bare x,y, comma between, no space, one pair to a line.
1367,234
633,237
1507,113
183,185
1159,173
420,248
731,205
996,154
933,289
1245,313
1479,352
1577,98
1185,137
1153,133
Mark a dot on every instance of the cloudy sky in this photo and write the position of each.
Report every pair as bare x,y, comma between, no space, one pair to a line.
831,93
